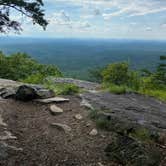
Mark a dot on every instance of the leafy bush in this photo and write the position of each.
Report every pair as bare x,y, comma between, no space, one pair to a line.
34,79
117,89
118,78
20,66
116,73
63,88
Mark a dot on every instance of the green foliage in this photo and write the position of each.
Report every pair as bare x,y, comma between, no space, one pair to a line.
96,74
62,88
21,67
116,73
134,81
103,124
100,122
34,79
142,134
118,78
159,94
93,114
31,9
117,89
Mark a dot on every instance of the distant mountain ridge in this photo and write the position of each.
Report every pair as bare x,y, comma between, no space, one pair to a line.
76,56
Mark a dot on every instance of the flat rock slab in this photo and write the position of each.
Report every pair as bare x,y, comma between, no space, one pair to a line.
131,109
55,110
51,100
61,127
80,83
9,83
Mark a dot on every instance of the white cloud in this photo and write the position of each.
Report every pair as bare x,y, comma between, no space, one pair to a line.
63,19
129,7
148,28
163,25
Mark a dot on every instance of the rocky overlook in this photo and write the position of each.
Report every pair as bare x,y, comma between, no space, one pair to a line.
94,128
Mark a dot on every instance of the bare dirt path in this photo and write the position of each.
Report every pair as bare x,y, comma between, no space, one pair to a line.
27,137
39,144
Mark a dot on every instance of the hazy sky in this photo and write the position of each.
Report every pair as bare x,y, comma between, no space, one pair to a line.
102,18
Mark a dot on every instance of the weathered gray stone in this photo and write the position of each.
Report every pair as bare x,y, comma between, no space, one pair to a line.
125,112
45,93
26,93
55,110
61,127
5,83
51,100
30,92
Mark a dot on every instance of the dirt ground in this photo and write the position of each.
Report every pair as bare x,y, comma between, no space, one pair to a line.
44,145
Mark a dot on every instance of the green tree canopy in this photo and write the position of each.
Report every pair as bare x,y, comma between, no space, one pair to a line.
29,8
20,66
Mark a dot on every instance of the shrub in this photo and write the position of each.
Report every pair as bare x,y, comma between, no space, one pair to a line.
63,88
69,89
117,89
34,79
116,73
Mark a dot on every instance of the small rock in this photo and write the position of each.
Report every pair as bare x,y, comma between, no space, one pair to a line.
93,132
100,164
62,127
55,110
8,135
78,117
51,100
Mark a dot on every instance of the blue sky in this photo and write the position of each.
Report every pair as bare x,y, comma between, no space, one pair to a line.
141,19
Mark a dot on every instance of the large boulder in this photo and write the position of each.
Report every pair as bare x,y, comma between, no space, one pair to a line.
30,92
